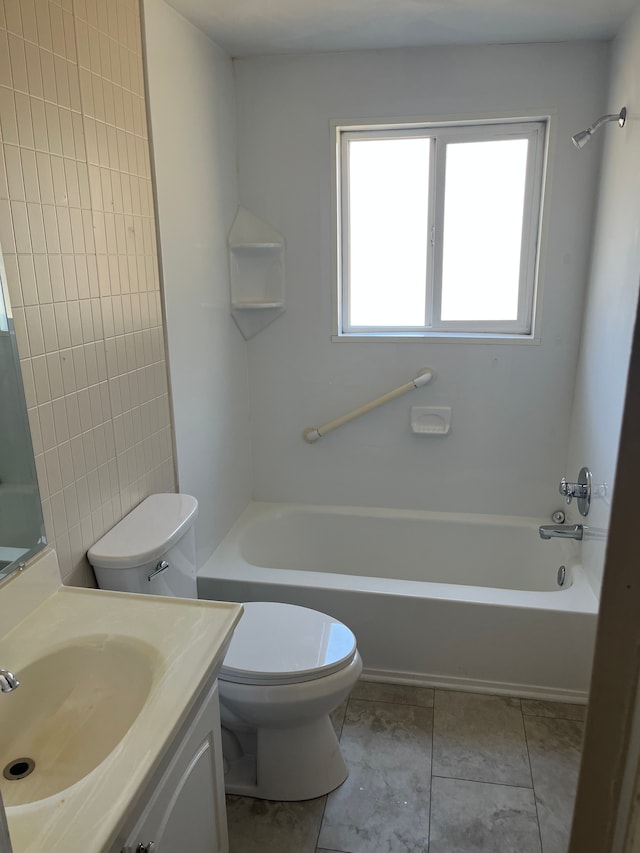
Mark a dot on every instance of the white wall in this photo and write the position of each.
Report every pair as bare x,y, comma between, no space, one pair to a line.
192,107
612,294
511,404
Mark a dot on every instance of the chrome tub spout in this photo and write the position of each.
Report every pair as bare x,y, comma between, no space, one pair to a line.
561,531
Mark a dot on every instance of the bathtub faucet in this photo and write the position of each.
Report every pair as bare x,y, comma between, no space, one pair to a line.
8,681
561,531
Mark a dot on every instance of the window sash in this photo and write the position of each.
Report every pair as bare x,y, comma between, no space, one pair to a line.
534,131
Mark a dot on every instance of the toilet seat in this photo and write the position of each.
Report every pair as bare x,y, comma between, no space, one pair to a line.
278,643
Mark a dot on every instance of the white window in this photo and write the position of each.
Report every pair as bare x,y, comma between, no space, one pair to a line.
438,229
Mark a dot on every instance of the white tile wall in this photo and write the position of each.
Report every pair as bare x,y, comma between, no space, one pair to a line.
77,231
196,209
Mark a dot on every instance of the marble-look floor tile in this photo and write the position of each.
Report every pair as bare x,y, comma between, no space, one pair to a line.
263,826
554,749
478,817
479,738
383,807
560,710
401,694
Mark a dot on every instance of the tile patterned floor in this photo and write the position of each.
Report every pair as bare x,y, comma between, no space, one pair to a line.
432,770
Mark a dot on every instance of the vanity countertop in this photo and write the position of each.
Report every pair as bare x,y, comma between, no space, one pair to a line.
181,643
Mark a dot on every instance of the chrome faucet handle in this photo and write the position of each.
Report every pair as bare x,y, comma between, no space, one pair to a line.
580,490
8,681
566,489
572,490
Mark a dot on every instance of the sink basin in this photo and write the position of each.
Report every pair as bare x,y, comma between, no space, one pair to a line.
73,707
107,681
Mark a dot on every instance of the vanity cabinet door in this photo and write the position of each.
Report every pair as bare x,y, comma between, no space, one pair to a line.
185,812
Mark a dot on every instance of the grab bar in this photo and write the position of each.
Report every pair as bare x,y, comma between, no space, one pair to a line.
312,434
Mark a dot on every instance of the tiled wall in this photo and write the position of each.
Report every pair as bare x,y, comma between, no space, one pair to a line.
78,236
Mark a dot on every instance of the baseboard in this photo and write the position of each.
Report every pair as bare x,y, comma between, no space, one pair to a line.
471,685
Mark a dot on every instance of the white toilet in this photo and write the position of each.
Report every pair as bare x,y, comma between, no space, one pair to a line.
286,668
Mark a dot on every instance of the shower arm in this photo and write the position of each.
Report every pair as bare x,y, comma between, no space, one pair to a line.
619,117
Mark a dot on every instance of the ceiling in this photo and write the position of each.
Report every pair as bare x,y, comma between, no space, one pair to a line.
254,27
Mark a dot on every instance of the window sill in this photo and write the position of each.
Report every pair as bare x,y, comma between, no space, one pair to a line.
435,337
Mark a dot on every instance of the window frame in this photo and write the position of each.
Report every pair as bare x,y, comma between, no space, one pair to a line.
523,329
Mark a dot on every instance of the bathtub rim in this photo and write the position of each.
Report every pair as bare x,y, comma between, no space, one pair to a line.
226,560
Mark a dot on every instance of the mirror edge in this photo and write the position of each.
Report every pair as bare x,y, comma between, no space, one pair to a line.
17,557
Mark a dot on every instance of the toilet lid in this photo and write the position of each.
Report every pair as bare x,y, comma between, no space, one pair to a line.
286,644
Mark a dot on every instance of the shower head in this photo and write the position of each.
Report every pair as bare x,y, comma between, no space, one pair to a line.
580,139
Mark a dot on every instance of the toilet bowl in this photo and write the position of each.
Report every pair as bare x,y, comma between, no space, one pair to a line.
286,669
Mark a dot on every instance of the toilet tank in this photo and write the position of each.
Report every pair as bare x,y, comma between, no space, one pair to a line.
152,550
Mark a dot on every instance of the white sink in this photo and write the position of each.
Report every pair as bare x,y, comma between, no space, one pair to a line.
106,681
72,708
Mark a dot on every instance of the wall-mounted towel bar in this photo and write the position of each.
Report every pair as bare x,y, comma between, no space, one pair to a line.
312,434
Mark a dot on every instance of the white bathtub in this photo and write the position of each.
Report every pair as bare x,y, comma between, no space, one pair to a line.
461,601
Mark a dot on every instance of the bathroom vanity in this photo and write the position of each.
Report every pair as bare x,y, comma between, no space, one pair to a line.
117,709
183,807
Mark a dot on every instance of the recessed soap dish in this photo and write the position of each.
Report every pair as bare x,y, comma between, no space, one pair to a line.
430,420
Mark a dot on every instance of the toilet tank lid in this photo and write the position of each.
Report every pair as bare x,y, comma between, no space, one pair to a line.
146,533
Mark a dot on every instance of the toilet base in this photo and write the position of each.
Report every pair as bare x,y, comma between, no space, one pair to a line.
278,742
297,763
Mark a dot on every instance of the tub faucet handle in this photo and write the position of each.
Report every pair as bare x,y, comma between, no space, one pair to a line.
569,490
565,490
580,490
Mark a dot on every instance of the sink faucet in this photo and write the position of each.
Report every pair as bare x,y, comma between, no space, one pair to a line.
561,531
8,681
